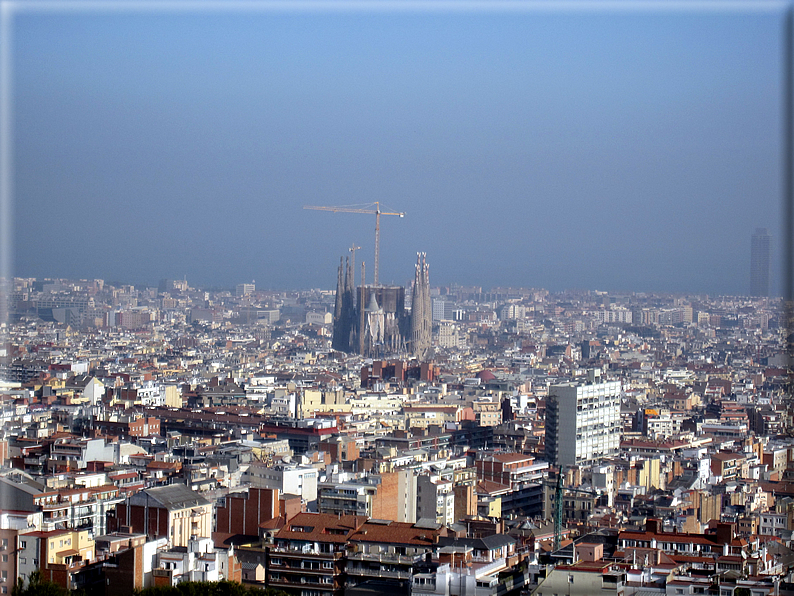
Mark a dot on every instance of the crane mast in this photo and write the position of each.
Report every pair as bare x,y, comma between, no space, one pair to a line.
376,212
377,243
559,489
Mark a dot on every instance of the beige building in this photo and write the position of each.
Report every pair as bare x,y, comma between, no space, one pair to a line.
173,511
583,579
423,416
487,411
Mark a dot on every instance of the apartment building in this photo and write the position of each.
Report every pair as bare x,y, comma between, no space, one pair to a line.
173,511
435,499
383,549
199,562
583,422
289,478
308,555
80,507
487,411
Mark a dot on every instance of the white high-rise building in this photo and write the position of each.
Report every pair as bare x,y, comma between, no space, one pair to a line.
582,422
245,289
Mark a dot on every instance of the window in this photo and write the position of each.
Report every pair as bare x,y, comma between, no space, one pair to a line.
23,544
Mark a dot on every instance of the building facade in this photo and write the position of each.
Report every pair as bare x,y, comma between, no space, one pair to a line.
582,422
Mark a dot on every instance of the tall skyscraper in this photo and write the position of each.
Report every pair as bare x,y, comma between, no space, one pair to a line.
759,263
582,422
421,310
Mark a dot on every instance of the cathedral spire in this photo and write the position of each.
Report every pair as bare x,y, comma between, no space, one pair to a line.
421,309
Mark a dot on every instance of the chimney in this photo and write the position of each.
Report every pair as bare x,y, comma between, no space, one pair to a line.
724,533
652,525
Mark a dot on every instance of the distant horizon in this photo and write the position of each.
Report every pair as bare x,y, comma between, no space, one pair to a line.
139,286
618,149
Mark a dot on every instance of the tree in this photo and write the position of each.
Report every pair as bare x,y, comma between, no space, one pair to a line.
221,588
38,586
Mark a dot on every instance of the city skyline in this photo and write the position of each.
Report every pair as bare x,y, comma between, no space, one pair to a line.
539,149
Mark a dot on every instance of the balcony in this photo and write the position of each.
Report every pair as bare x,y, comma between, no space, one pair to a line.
45,507
162,573
289,551
55,519
613,581
491,568
385,558
380,572
303,567
297,582
423,585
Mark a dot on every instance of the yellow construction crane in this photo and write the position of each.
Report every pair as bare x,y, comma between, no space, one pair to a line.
367,209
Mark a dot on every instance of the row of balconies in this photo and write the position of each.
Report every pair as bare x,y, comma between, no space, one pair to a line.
380,572
55,519
302,565
297,581
383,558
300,551
91,502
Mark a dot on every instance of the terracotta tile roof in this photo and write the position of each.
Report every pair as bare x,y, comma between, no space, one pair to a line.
320,527
273,524
396,533
489,487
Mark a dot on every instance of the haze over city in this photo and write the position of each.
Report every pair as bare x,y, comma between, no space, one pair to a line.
568,369
627,150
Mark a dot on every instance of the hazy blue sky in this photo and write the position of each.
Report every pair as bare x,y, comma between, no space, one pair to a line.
620,150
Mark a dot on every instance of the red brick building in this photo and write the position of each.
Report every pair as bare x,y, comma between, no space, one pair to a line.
243,512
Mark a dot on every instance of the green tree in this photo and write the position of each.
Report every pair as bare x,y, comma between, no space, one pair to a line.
221,588
38,586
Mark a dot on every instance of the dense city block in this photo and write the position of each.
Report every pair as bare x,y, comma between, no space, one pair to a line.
434,441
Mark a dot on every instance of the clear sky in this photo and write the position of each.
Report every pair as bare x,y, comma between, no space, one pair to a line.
624,150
